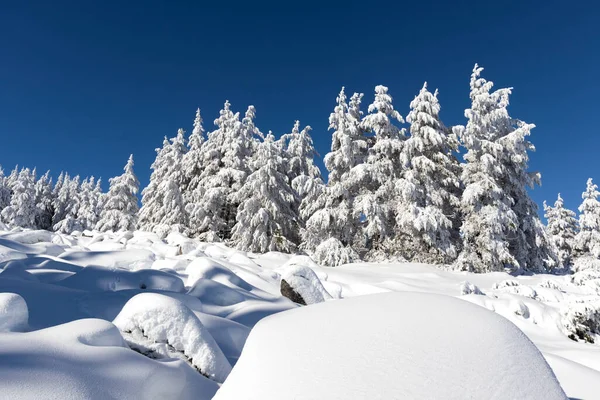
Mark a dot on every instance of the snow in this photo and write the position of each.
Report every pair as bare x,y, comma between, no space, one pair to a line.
88,359
13,313
393,345
73,286
167,325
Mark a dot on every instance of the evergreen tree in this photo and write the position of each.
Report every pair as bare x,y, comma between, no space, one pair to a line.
225,157
426,213
485,205
59,198
332,226
43,202
4,191
120,209
21,210
266,220
375,202
587,241
191,162
163,208
70,197
562,228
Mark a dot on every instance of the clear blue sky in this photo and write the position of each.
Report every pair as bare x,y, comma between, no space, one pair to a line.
85,83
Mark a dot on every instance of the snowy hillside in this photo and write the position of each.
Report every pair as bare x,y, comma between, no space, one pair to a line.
132,316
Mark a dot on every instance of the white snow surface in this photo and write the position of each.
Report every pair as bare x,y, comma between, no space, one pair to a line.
436,347
64,345
159,319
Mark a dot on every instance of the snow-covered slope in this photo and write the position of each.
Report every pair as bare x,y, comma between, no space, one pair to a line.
221,293
386,346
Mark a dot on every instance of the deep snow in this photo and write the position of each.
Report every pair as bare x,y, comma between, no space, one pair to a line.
66,280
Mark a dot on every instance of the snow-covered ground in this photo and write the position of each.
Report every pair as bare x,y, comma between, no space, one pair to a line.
81,303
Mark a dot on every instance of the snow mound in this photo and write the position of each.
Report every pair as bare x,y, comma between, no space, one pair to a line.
129,259
304,282
88,359
468,288
96,279
161,325
206,268
392,345
13,313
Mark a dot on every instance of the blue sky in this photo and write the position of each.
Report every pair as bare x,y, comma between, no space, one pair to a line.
84,84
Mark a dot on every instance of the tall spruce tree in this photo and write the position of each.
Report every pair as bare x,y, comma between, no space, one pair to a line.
21,210
266,220
426,213
587,241
120,209
562,228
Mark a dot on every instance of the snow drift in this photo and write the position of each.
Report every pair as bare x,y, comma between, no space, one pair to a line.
394,345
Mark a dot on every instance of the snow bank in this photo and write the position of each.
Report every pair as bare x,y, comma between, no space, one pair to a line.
88,359
102,279
130,259
161,325
393,345
13,313
302,281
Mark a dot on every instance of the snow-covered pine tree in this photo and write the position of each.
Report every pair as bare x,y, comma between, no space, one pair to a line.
225,159
375,202
70,196
587,241
561,228
427,210
531,246
120,208
163,209
43,202
21,210
4,191
191,163
332,226
303,175
266,220
488,218
59,198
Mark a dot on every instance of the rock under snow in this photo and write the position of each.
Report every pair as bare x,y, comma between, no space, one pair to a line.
13,313
390,346
157,324
88,359
301,284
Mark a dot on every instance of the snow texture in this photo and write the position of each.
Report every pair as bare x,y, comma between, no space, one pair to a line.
354,349
167,323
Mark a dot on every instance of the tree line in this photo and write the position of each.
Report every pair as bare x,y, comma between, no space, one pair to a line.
393,191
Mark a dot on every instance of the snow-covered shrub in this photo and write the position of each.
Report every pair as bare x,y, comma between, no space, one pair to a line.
14,314
300,284
550,284
512,286
332,253
581,320
160,326
468,288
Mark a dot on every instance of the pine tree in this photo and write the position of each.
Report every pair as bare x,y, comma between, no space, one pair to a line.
375,201
163,208
225,158
21,211
426,213
562,228
4,191
332,226
43,202
587,241
59,198
303,175
70,197
191,163
121,206
266,220
486,207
